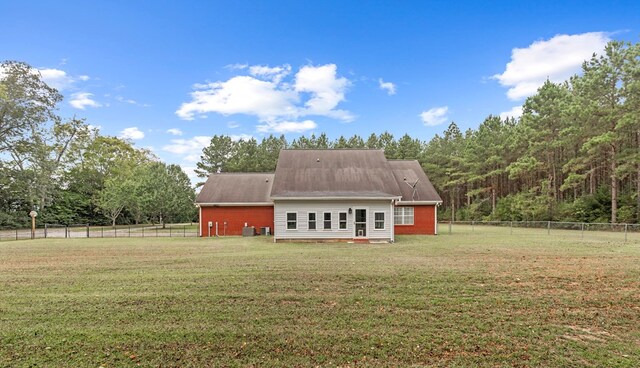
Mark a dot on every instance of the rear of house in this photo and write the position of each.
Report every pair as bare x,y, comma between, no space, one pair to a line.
334,195
416,213
323,195
228,202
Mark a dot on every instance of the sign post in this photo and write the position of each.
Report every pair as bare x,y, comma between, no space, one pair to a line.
33,215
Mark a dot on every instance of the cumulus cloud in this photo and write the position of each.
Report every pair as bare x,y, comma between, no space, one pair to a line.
56,78
287,126
174,131
132,133
389,87
82,100
556,59
191,149
273,96
435,116
515,112
84,78
276,74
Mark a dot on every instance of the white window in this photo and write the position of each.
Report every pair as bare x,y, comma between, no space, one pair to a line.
327,220
343,220
403,215
312,220
292,220
379,221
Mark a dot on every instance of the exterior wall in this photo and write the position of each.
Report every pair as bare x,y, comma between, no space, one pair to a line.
235,217
302,208
424,222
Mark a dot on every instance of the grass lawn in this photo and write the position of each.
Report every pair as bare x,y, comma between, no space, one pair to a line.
481,298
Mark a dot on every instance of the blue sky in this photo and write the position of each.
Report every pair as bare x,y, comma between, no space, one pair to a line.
170,74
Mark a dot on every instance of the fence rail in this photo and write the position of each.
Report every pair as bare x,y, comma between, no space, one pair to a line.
88,231
626,232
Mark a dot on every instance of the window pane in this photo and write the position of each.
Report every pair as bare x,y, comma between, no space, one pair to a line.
312,216
292,221
379,220
327,220
343,220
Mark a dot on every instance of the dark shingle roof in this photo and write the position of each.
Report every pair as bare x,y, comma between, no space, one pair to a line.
236,188
412,171
352,173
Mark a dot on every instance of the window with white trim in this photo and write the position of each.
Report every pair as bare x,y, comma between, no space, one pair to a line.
343,220
312,220
327,220
403,215
292,220
379,221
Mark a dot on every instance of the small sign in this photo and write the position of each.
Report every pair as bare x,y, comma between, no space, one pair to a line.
33,213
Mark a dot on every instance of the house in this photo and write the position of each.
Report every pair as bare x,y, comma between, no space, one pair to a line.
228,202
350,194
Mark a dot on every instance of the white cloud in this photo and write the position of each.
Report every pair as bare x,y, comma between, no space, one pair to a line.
435,116
387,86
188,146
313,90
233,124
326,90
82,100
132,133
515,112
174,131
84,78
56,78
276,74
240,95
287,126
556,59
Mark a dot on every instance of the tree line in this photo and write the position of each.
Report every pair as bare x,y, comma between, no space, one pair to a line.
69,173
573,155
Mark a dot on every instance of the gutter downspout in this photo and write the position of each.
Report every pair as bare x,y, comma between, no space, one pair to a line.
393,224
435,218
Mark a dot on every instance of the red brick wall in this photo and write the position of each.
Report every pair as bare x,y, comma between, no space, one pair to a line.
423,222
256,216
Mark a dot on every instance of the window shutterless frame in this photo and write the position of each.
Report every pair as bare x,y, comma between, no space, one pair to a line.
292,221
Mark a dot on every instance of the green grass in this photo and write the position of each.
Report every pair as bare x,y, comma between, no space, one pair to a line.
481,298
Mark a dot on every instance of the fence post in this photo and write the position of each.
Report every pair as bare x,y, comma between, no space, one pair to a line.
45,231
156,231
450,226
625,232
102,231
87,230
169,231
582,230
16,234
548,227
184,231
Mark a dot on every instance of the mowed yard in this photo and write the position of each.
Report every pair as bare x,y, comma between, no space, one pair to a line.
482,298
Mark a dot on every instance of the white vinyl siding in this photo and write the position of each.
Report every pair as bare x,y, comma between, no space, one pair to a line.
334,207
403,215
